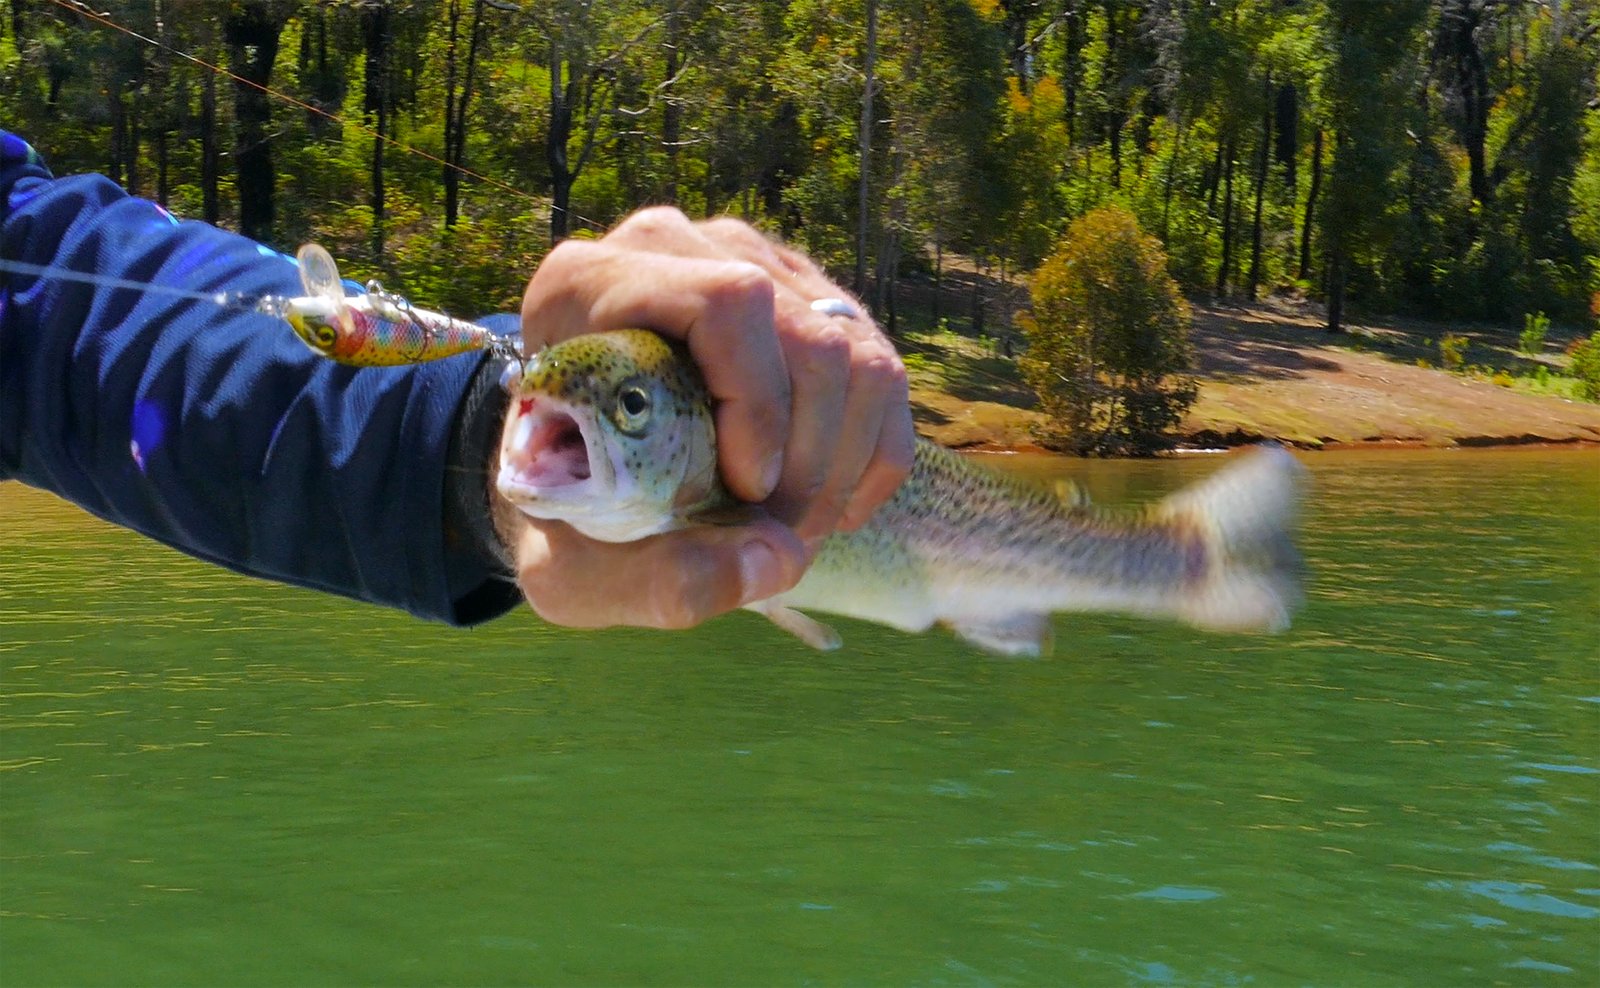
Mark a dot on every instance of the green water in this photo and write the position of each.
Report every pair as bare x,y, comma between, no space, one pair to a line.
211,780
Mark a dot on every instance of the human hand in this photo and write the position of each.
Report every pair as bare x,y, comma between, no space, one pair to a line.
786,380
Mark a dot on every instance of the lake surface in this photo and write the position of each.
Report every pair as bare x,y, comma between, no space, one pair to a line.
211,780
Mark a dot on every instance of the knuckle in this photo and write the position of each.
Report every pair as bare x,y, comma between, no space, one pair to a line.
569,255
652,221
797,262
828,347
739,286
881,367
726,228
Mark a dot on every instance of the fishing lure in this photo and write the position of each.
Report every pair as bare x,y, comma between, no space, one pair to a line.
373,329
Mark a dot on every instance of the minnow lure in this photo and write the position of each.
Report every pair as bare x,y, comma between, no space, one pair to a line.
374,329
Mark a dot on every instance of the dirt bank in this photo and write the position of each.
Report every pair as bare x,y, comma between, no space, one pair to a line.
1269,371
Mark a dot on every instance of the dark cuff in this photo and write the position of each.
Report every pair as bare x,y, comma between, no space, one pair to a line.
468,523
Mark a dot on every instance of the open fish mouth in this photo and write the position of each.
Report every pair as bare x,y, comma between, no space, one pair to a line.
546,452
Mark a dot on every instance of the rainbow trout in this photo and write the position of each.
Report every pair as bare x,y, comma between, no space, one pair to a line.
612,433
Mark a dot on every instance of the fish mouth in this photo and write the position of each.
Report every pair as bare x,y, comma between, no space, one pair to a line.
547,454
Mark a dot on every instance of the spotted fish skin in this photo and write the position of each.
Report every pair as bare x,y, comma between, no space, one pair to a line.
988,554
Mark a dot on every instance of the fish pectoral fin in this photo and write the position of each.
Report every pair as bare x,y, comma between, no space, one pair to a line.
809,630
1024,634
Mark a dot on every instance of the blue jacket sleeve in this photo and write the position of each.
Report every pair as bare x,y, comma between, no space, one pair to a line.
215,430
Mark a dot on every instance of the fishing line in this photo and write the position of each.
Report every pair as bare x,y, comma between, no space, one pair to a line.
227,300
79,7
233,301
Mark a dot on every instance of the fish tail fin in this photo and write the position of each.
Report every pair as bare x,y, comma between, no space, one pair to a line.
1246,514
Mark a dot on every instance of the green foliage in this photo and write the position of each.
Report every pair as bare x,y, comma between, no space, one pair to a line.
1585,366
1108,339
1453,351
476,267
1458,172
1534,327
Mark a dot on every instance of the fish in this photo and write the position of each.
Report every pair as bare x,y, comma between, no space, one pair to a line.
613,434
374,329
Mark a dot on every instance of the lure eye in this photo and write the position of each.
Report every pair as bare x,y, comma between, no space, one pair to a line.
633,408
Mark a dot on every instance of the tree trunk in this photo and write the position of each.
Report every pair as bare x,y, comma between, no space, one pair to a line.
131,148
376,105
1261,188
1074,72
1467,86
672,111
977,298
163,189
252,32
1166,193
119,135
1213,179
1311,206
1227,220
208,148
450,175
1288,133
1114,114
456,106
1335,291
555,147
863,221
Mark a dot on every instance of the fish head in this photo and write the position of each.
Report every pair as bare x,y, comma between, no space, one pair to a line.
316,320
611,433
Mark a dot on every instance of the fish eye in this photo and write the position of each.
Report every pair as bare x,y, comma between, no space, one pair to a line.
633,407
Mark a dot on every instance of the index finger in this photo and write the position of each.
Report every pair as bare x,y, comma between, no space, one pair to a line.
723,311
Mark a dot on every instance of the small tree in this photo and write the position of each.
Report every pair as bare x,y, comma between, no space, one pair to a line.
1108,339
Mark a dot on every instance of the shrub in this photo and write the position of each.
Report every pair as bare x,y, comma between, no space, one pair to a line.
1452,351
1585,366
1534,327
1108,339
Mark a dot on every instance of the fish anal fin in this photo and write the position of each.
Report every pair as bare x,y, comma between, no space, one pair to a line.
809,630
1025,634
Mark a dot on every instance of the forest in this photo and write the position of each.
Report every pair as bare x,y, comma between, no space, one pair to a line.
1435,158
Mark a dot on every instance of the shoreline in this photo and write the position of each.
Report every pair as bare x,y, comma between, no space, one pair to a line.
1269,373
1486,444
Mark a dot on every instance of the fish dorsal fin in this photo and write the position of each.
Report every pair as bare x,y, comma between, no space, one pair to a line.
1071,494
809,630
1024,634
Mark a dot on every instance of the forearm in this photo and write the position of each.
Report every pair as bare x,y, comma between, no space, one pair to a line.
215,430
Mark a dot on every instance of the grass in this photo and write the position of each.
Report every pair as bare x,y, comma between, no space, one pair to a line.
1497,354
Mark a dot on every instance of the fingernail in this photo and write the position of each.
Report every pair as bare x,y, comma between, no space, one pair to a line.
770,472
760,572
